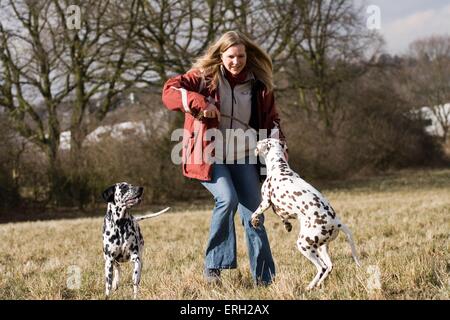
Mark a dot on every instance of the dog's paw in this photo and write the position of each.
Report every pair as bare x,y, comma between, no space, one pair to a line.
255,222
288,226
309,287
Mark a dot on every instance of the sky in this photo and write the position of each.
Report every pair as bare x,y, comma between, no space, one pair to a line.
403,21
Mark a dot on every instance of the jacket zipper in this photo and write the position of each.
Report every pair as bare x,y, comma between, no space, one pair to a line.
233,99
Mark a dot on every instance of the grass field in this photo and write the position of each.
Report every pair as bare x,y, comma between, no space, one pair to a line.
400,224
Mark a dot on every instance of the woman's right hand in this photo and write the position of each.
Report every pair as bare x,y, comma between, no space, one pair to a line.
211,111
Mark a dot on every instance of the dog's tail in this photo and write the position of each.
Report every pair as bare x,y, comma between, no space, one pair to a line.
348,234
151,215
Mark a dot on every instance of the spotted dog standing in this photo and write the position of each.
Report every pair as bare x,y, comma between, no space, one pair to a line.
291,197
122,238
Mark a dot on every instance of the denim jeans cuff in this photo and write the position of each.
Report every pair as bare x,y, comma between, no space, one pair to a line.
222,267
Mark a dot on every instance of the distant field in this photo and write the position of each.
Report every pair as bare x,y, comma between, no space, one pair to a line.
400,224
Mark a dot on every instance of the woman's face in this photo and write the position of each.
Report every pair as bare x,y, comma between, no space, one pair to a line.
234,59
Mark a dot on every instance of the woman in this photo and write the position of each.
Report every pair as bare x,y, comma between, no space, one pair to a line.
228,88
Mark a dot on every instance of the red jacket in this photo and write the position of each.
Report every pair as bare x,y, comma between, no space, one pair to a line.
188,93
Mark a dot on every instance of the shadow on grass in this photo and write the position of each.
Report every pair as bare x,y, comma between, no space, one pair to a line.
395,181
42,214
420,179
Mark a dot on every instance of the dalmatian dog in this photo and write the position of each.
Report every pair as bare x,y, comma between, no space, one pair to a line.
122,237
292,197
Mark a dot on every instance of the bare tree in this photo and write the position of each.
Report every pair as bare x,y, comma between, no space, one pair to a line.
429,78
171,33
44,64
327,45
26,71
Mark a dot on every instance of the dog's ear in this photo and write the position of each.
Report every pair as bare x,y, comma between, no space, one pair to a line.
284,145
108,194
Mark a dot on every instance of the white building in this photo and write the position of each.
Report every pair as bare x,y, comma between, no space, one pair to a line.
117,131
435,127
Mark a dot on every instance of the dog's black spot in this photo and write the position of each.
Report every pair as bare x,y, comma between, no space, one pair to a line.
124,189
310,241
112,238
320,221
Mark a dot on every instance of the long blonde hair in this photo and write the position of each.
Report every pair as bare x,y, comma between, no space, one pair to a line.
258,61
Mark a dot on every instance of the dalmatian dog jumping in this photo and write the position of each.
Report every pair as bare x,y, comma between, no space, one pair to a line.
292,197
122,237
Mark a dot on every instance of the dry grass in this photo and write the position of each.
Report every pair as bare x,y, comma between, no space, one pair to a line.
400,224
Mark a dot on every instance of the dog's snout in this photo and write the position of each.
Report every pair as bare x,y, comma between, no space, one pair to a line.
140,190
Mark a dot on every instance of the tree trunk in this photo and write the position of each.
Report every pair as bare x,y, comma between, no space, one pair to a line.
54,174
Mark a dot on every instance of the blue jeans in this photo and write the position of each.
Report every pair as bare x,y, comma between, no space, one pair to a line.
236,187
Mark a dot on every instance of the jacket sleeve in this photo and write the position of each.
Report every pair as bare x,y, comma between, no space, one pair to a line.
273,117
181,93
